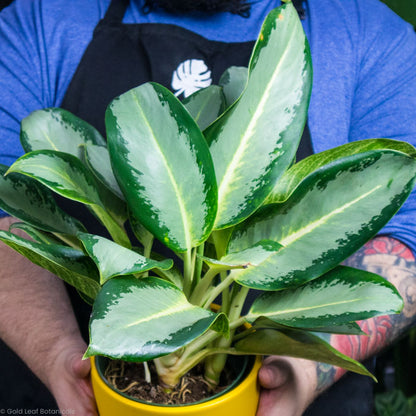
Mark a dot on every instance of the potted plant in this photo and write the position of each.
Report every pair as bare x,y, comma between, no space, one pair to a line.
213,180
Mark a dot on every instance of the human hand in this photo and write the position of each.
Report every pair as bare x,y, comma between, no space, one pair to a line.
70,380
288,386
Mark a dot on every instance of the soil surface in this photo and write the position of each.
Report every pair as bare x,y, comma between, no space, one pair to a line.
129,379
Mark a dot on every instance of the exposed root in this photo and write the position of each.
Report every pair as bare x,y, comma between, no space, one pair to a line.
131,385
129,378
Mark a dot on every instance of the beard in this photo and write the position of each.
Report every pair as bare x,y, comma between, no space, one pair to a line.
241,7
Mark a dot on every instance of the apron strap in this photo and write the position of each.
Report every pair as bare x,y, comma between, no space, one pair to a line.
115,11
299,8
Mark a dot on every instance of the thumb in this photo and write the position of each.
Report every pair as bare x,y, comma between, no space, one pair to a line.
274,373
80,368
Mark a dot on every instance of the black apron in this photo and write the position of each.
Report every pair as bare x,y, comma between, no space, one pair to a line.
122,56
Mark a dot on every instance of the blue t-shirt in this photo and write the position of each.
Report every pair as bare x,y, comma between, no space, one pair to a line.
364,60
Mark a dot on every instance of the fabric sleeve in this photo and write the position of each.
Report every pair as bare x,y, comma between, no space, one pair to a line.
385,96
41,44
20,77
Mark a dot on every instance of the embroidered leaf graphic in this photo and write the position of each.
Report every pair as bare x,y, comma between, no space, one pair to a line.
190,76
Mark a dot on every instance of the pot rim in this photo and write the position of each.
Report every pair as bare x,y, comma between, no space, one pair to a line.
227,394
251,363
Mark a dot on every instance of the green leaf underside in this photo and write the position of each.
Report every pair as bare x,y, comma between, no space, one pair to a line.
350,328
340,207
61,172
148,317
114,260
299,344
341,296
205,105
173,275
34,233
24,198
233,82
141,233
99,161
69,264
293,176
251,256
112,204
255,140
57,129
170,187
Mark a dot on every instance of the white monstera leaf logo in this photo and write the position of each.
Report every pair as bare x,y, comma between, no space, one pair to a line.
190,76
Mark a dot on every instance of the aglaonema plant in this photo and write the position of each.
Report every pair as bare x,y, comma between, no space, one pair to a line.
214,180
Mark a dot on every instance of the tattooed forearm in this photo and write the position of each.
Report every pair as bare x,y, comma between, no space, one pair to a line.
394,261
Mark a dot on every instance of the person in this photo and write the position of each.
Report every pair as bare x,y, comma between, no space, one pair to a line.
79,55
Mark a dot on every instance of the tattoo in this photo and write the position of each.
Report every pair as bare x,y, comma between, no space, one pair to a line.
394,261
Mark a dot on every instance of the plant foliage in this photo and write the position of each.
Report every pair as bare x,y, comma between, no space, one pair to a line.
214,180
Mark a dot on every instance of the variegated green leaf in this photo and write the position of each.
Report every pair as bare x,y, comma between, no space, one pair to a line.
107,191
148,317
255,140
114,260
163,165
62,172
329,216
205,105
69,264
251,256
233,81
57,129
293,176
68,176
34,233
26,199
343,295
98,160
299,344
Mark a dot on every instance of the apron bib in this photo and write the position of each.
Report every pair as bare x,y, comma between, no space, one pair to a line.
123,56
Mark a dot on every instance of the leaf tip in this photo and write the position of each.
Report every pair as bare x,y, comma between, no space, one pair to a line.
88,354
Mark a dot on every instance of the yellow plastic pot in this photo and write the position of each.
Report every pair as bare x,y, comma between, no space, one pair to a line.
242,400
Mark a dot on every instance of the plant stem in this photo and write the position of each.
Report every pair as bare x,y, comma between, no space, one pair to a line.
225,296
217,290
214,365
187,273
170,376
117,232
198,266
203,285
199,343
147,376
193,267
237,304
237,323
147,249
